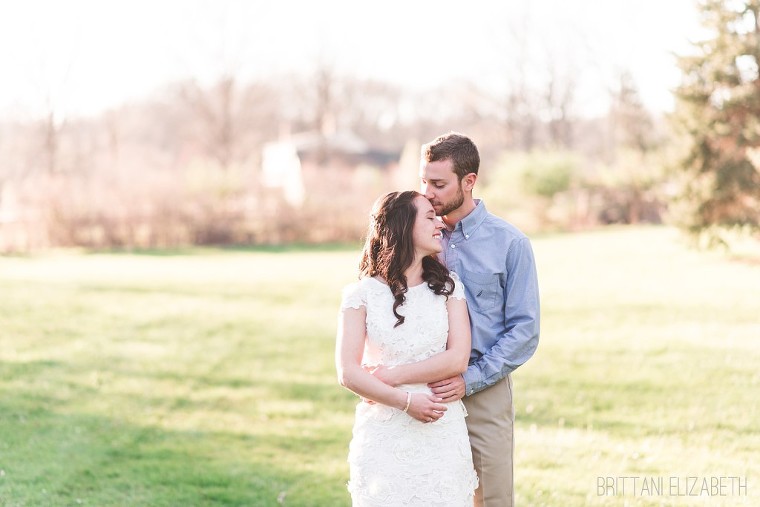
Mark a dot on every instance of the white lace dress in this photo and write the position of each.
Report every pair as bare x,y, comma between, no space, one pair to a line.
394,459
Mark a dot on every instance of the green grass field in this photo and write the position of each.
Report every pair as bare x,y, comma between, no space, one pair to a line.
206,377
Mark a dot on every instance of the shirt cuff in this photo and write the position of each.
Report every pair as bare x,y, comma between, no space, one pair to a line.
472,379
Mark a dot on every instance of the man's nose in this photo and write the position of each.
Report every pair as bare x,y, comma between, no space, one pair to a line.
426,191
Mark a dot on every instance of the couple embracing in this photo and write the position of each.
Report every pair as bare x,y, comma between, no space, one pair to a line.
445,309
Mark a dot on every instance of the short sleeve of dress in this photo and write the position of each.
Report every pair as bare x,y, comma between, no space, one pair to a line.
458,292
354,296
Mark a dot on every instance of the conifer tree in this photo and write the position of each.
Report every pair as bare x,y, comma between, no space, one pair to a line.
718,108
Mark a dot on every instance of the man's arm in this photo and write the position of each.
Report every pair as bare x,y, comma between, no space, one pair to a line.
519,339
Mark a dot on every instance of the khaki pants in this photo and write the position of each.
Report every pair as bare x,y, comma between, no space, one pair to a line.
491,426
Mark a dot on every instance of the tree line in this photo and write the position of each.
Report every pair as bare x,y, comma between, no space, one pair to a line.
184,165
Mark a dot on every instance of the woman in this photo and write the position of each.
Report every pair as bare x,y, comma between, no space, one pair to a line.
406,321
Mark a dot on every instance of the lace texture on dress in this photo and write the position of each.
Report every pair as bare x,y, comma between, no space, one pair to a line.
394,459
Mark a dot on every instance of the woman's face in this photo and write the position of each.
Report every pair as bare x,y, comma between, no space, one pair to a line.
426,232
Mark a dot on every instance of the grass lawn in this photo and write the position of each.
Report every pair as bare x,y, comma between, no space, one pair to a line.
206,377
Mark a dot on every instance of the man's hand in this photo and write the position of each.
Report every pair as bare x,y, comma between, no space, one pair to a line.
450,389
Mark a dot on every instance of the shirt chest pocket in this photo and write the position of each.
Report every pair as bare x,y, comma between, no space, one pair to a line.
483,290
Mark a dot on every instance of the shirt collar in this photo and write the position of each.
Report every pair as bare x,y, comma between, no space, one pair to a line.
469,224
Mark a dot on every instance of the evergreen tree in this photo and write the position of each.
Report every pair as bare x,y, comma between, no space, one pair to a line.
718,106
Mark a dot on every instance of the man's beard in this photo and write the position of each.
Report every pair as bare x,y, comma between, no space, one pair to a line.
452,205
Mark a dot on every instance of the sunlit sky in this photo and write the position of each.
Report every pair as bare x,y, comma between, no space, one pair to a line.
84,56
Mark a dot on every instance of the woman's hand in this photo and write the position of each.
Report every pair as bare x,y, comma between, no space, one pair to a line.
426,407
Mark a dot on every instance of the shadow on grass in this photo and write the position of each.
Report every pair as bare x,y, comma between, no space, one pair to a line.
62,458
15,369
326,398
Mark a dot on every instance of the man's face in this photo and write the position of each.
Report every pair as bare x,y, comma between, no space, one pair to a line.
441,186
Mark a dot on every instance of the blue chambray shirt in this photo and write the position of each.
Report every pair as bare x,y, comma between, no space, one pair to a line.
496,264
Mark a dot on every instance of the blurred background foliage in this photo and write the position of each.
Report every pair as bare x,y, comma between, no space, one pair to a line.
293,158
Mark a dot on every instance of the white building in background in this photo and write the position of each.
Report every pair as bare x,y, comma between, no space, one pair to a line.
300,160
281,168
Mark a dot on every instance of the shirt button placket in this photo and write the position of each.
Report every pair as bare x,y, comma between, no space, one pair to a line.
452,259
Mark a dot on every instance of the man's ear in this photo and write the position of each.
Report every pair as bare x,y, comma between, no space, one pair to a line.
468,182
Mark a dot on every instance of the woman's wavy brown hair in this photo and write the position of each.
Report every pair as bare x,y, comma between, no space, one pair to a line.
389,249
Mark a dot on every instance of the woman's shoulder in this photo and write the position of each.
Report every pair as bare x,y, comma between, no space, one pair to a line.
355,294
458,289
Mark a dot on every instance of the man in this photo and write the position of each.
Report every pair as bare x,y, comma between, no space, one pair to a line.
496,264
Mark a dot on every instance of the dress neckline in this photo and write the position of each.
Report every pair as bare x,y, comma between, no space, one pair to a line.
422,284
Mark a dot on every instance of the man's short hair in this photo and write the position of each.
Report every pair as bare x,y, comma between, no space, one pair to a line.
456,147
